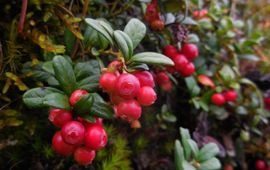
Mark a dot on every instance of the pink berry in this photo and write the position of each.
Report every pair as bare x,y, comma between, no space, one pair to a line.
60,117
95,137
84,156
146,96
188,70
107,81
76,95
73,132
230,95
162,78
60,146
260,164
218,99
190,51
145,78
127,86
128,110
180,62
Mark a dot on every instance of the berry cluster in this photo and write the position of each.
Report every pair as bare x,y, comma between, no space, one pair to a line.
199,14
78,137
128,91
220,99
261,165
152,16
183,59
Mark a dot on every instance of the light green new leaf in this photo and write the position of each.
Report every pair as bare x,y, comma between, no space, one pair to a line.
194,147
184,138
208,151
211,164
151,58
178,155
136,30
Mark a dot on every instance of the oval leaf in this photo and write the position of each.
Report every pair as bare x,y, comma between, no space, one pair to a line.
64,74
151,58
136,30
100,108
122,44
57,100
208,151
83,106
178,155
128,41
211,164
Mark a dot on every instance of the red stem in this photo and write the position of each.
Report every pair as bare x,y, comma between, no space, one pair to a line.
22,17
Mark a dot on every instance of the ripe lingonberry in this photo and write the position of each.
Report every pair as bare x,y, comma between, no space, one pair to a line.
73,132
151,12
84,156
267,103
145,78
129,110
171,69
59,117
115,99
169,50
260,164
228,167
127,86
107,81
76,95
115,65
190,51
99,121
162,78
157,25
167,86
146,96
188,70
180,62
218,99
95,137
230,95
60,146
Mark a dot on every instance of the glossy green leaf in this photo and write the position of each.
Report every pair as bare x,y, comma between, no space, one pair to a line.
34,98
178,155
83,106
100,108
136,30
83,70
57,100
64,74
208,151
184,139
211,164
122,41
194,147
151,58
188,166
90,83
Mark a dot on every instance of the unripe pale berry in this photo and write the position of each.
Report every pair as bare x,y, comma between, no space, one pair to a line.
218,99
169,50
84,156
190,51
95,137
107,81
73,132
127,86
260,164
128,110
146,96
60,146
188,70
180,62
230,95
59,117
145,78
76,95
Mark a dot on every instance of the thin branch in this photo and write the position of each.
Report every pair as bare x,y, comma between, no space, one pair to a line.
22,17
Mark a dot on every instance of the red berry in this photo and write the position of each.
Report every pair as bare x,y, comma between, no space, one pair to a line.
145,78
170,51
76,95
73,132
188,70
107,81
230,95
267,102
151,13
146,96
171,69
203,12
196,13
95,137
157,25
129,110
114,66
59,117
162,78
167,86
99,121
127,86
228,167
180,62
190,51
84,156
60,146
218,99
115,99
260,164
